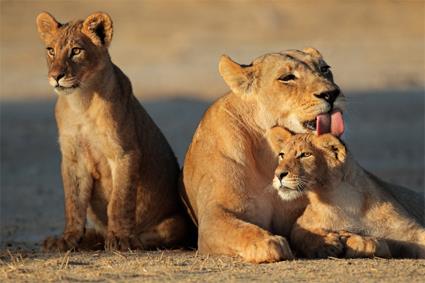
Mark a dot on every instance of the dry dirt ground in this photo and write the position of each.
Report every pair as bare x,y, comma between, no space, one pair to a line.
184,266
170,49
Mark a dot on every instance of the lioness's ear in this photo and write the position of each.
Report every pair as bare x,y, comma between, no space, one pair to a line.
46,25
312,51
332,145
239,78
277,136
98,27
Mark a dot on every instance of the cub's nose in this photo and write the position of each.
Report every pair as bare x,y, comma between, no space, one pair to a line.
282,175
329,96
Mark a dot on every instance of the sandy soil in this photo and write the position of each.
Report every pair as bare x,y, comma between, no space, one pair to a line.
184,266
170,50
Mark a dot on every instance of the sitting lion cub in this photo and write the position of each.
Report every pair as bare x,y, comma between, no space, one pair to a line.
117,167
350,213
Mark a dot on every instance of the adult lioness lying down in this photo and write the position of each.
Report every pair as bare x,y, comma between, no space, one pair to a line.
350,213
117,167
227,166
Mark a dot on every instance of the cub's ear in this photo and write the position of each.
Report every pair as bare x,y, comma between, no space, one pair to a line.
98,27
312,51
240,78
47,25
277,136
331,145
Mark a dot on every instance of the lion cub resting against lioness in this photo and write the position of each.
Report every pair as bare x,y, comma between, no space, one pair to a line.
350,213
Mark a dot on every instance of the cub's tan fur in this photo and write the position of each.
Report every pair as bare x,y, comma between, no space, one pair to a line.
117,167
350,212
227,170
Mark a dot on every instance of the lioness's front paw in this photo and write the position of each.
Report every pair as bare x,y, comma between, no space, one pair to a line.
359,246
271,249
122,243
326,246
62,243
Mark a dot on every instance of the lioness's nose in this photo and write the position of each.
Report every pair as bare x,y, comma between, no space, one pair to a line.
282,175
329,96
58,76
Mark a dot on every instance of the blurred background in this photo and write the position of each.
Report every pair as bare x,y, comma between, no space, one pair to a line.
171,47
170,51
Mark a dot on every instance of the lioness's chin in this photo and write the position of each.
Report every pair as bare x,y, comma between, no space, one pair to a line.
293,124
66,90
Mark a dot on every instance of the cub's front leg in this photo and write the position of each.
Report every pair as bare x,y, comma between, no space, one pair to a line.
311,239
121,209
358,246
316,242
77,183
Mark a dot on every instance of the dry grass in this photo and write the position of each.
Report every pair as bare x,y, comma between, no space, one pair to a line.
189,266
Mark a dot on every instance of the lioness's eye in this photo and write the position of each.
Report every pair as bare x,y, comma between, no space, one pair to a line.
75,51
305,154
281,155
325,69
287,78
50,51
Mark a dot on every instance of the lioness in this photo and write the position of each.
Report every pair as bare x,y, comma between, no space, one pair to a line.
227,166
350,213
117,167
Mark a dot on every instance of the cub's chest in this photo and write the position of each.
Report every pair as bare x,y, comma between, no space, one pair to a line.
85,142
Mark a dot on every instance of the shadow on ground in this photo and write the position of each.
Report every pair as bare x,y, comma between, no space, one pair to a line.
385,132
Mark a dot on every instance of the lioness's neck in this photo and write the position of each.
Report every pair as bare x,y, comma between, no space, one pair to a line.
250,113
242,112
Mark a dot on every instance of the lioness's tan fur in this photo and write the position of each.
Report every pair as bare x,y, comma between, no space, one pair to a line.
350,212
227,170
117,167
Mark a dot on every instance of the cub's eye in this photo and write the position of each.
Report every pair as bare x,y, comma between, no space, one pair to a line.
76,51
325,69
50,51
287,78
305,154
281,155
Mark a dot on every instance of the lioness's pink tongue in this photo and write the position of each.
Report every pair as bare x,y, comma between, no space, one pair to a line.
330,123
323,124
337,123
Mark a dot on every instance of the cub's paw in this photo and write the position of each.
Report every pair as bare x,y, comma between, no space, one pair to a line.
330,245
62,243
271,249
360,246
122,243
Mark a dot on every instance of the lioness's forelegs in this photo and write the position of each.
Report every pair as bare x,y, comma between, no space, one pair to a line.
122,205
77,184
221,232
